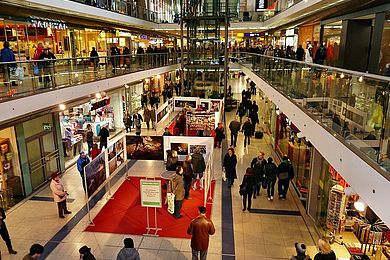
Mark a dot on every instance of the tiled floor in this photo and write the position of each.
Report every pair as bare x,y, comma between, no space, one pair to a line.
257,236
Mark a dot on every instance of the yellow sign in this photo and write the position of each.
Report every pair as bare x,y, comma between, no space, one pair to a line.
240,35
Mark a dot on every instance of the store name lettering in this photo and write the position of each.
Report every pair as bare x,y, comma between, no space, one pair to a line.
53,24
337,177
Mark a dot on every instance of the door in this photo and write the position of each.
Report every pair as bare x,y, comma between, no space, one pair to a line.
43,158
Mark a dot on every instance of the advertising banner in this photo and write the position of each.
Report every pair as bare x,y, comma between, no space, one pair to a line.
95,173
151,196
144,147
261,5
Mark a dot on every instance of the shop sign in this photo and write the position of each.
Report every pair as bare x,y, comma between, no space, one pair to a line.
252,34
151,193
337,177
124,34
261,5
154,40
143,37
101,103
290,32
46,127
240,35
45,23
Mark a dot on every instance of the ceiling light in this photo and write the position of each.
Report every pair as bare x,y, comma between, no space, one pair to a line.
359,205
127,86
342,75
62,107
360,79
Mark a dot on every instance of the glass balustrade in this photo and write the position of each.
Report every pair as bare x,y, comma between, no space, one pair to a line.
19,79
351,105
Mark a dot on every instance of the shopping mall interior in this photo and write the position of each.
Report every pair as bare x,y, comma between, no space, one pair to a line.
165,129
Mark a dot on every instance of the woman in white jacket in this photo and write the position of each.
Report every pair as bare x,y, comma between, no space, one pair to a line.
59,194
309,54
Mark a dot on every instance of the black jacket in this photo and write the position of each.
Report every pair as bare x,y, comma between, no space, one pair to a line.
285,168
258,168
247,128
271,171
89,136
198,163
331,256
104,134
230,162
219,135
187,170
172,163
248,182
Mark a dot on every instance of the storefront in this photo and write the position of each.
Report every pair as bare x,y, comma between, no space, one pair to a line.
342,216
309,33
104,110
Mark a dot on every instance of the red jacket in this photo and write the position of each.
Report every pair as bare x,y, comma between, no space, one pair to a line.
95,152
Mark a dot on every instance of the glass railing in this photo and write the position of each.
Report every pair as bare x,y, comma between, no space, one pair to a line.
351,105
19,79
130,9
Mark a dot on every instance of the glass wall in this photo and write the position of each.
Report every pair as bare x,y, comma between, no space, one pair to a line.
11,191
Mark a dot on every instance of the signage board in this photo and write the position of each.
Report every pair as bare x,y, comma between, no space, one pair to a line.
151,193
47,23
46,127
261,5
252,34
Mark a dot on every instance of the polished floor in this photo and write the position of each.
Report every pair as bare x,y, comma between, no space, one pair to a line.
268,234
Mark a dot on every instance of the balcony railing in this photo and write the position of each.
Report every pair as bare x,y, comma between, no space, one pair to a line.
130,9
351,105
25,78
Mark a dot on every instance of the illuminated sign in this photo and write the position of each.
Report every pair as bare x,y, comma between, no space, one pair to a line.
261,5
143,37
47,23
252,34
336,176
124,34
240,35
290,32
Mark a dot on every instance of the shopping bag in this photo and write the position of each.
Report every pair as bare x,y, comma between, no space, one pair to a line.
36,70
17,73
223,175
171,202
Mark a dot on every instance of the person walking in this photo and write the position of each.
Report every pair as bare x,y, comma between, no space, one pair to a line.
177,187
89,137
229,166
36,250
128,252
247,130
301,252
94,58
257,166
82,161
188,175
219,135
4,232
325,251
198,166
85,253
147,116
137,123
59,195
234,127
104,134
271,172
7,55
153,117
200,229
300,53
254,120
246,189
285,175
241,111
128,122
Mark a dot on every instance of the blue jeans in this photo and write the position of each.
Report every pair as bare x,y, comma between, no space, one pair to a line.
195,255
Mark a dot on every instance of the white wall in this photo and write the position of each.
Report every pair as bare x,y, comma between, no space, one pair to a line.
362,177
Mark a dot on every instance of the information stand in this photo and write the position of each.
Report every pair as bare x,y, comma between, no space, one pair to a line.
151,197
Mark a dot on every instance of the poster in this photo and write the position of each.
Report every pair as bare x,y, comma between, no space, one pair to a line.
215,105
205,144
201,147
200,121
95,173
204,105
151,193
115,156
144,147
261,5
181,148
182,103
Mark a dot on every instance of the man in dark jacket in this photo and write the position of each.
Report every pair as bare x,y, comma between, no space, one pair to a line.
254,120
300,53
177,187
4,232
257,166
285,175
36,250
241,111
94,58
320,55
82,161
128,252
48,67
198,167
271,173
200,229
247,130
7,55
89,138
104,134
234,127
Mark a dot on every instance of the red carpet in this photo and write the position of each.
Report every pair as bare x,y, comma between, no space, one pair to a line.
124,214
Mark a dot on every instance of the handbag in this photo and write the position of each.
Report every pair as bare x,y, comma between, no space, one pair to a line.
224,176
171,199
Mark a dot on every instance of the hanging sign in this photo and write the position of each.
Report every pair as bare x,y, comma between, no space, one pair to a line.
261,5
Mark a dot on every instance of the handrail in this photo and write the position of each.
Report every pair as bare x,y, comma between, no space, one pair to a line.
345,71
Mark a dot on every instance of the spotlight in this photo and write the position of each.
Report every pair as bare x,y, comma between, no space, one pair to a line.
62,107
359,205
342,75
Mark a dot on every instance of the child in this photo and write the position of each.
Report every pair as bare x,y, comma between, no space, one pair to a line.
95,151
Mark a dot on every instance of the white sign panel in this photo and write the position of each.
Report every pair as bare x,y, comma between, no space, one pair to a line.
151,193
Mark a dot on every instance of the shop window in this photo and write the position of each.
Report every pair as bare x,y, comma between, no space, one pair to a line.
11,191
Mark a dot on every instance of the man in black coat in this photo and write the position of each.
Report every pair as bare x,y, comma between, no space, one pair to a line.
104,134
198,166
300,53
247,130
4,232
257,166
285,175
